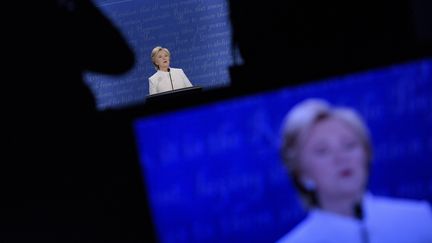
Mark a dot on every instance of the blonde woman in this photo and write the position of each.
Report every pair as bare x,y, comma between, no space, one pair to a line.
166,78
327,151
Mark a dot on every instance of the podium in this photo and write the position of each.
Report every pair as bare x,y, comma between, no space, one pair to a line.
173,94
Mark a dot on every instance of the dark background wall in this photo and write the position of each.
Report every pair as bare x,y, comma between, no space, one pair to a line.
296,41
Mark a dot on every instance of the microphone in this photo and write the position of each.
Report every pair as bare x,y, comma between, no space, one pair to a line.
359,214
169,73
358,211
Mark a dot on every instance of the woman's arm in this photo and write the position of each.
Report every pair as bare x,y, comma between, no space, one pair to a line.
152,87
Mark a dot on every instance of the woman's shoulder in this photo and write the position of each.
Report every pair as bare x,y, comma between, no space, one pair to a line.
302,232
399,210
410,218
176,70
299,234
155,75
401,204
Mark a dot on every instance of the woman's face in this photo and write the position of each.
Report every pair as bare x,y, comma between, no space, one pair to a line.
332,155
162,60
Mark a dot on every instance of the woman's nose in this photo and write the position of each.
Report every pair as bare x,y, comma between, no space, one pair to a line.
340,156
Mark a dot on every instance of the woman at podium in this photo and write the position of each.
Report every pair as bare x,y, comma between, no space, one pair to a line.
165,78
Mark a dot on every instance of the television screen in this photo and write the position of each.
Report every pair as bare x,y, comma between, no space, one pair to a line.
213,171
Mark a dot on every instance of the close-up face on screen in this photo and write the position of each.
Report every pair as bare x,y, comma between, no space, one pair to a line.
251,168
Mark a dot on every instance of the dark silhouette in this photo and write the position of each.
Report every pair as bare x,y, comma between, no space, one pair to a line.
68,171
296,41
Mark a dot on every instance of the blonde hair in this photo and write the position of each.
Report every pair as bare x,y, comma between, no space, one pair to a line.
297,122
155,51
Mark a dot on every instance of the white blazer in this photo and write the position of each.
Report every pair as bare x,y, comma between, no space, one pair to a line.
385,220
163,81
